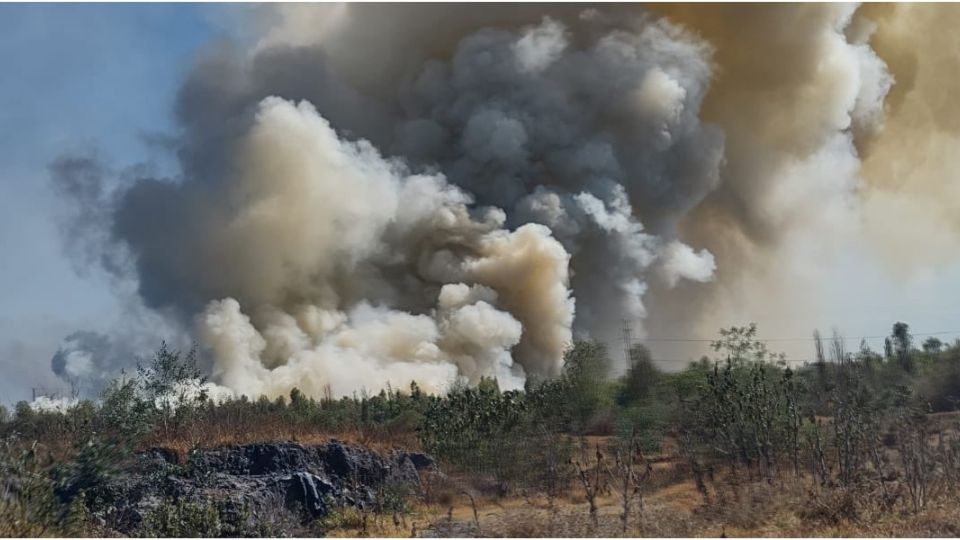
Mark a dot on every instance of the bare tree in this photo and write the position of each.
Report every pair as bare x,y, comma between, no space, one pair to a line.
591,482
630,473
688,451
916,456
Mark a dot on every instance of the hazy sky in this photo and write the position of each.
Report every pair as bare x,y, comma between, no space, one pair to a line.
102,77
74,77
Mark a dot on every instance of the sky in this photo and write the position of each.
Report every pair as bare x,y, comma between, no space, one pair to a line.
104,77
862,298
75,77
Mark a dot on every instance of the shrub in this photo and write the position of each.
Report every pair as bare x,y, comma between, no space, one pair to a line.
645,423
28,505
341,518
93,462
182,519
124,412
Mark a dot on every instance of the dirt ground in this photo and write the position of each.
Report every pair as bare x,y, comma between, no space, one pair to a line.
671,507
672,511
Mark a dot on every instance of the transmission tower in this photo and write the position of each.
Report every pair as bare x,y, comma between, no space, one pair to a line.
627,341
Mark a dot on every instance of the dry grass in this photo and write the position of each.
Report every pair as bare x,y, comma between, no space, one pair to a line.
783,507
779,508
209,436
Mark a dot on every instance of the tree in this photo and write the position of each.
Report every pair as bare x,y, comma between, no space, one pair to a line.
902,344
23,412
123,409
932,345
747,409
173,384
168,373
901,336
585,369
297,399
641,377
740,344
489,385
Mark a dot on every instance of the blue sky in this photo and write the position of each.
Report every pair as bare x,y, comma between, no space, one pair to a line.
74,77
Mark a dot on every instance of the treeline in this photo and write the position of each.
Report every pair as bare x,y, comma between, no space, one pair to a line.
851,420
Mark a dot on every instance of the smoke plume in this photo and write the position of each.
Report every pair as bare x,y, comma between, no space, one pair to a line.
909,167
796,91
386,194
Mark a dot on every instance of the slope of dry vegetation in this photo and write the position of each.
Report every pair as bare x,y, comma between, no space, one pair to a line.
853,444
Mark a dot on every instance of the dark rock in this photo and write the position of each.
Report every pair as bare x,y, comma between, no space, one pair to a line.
309,492
353,464
256,459
259,479
164,454
404,470
421,461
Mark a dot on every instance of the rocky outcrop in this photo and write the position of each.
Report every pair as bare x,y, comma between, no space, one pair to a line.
253,479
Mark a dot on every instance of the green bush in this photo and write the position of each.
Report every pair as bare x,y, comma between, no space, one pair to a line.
28,505
182,519
92,463
938,383
124,411
646,424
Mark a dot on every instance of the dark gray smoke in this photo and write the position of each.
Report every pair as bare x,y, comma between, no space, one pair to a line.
385,193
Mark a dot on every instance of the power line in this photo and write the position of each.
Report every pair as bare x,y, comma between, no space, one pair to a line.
807,339
657,360
788,359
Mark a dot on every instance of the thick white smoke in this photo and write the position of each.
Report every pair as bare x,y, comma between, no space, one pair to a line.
325,239
339,229
53,404
799,91
384,194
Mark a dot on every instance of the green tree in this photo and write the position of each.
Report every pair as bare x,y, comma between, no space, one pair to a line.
586,366
641,377
740,344
932,345
174,385
747,408
169,373
23,413
123,411
902,344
